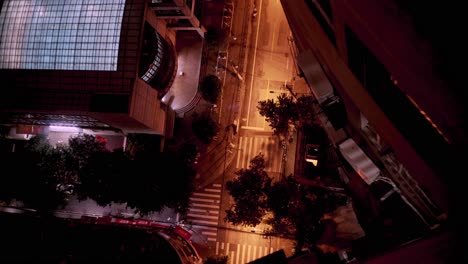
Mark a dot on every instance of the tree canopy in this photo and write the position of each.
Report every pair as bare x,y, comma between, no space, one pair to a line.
211,88
279,113
290,208
29,176
248,192
217,38
204,127
287,111
144,178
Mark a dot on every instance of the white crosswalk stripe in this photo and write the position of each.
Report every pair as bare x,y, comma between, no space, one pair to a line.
241,253
203,212
270,147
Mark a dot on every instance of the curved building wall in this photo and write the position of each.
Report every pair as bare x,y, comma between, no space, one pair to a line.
158,63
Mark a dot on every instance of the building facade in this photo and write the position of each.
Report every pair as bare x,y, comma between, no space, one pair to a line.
389,100
101,65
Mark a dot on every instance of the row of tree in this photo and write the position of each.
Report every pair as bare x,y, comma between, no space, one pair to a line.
42,176
290,208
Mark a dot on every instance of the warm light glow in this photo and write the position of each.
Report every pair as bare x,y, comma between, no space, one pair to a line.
313,161
428,119
69,129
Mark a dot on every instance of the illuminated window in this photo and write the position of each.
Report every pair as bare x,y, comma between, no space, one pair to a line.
40,34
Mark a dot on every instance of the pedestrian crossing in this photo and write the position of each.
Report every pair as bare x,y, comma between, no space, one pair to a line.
203,212
241,253
269,146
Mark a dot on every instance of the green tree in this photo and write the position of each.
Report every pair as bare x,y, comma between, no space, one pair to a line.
29,178
280,113
249,190
216,38
290,208
211,88
83,146
204,127
143,177
145,182
158,182
105,177
287,111
297,209
188,153
143,144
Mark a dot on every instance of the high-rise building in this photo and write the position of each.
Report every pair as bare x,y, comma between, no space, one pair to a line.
388,94
101,65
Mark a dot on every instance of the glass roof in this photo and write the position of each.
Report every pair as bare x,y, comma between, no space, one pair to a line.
60,35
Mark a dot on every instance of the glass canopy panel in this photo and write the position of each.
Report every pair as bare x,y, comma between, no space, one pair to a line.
60,35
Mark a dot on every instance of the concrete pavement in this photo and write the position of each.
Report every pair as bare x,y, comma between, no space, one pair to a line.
184,95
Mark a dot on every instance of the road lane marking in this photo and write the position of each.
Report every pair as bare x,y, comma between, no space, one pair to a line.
202,200
254,58
204,222
207,195
203,211
209,233
253,128
205,227
250,151
204,216
243,254
249,247
231,257
237,253
217,185
206,205
212,190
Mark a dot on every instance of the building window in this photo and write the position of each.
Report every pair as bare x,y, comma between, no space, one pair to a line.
396,105
326,8
321,9
60,35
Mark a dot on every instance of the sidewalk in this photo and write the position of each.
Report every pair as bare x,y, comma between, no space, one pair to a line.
225,113
228,108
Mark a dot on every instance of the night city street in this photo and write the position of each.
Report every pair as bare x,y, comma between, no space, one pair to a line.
232,132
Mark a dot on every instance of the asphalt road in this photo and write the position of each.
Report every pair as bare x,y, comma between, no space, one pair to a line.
259,64
270,62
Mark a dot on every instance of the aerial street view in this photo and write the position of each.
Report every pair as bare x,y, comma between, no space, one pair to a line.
231,132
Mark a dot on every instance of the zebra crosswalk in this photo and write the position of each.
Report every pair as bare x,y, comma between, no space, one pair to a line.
269,146
241,253
204,211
